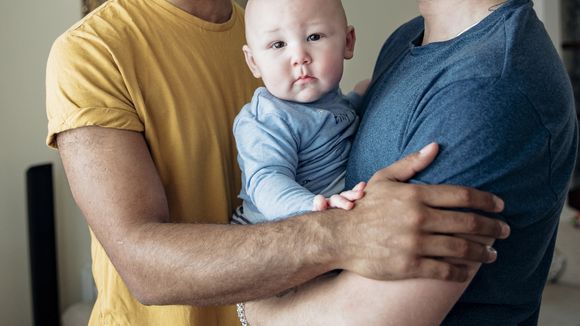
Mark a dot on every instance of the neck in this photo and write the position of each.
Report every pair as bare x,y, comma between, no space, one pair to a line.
445,19
214,11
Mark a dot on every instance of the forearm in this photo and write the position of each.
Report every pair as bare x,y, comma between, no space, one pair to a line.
350,299
116,185
221,264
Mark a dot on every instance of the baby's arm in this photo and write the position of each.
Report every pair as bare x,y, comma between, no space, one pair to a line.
345,200
268,156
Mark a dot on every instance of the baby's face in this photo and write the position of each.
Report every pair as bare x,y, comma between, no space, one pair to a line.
297,47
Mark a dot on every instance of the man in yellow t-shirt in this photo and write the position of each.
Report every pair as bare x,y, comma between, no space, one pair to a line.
141,95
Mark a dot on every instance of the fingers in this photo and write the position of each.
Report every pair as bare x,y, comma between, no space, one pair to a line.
407,167
319,203
360,186
441,270
460,197
452,222
356,193
458,248
338,201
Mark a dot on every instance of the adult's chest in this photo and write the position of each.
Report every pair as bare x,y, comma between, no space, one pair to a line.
394,106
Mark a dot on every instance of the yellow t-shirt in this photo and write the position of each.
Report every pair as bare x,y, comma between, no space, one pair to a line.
147,66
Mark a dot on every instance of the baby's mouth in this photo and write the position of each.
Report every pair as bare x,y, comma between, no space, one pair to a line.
304,79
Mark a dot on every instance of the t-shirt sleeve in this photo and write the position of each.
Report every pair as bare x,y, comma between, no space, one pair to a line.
85,87
491,138
495,139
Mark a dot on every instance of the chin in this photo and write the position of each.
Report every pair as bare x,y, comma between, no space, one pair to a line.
307,97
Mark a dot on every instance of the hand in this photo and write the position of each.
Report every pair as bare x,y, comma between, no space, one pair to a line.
361,87
401,230
345,200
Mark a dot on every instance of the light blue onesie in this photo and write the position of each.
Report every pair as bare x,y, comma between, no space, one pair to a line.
289,152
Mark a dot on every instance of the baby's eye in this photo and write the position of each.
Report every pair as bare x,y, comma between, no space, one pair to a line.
278,45
313,37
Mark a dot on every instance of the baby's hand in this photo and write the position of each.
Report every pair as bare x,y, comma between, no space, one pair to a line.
345,200
361,87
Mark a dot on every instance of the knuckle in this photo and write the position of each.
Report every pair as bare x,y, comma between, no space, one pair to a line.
408,265
417,219
413,192
446,272
472,223
411,158
414,244
465,196
463,248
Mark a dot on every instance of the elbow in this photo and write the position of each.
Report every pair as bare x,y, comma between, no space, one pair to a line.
147,287
154,293
146,293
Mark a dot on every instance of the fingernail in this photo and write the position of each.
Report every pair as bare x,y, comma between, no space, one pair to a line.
505,230
499,204
423,150
492,254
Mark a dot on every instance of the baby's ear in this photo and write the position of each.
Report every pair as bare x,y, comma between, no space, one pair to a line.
251,62
350,41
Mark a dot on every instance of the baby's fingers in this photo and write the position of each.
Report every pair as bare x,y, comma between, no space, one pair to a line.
319,203
356,193
338,201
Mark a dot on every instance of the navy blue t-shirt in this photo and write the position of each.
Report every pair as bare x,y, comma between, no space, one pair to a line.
498,101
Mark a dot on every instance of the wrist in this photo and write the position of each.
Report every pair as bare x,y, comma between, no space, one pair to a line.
329,230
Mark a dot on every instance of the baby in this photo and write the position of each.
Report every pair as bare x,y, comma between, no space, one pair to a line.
295,135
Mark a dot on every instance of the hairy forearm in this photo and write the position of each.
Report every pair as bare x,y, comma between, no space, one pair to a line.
116,185
221,264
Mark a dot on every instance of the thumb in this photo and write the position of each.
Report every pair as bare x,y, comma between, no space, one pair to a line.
405,168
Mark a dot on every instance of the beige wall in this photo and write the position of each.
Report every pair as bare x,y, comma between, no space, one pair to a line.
26,33
373,21
27,30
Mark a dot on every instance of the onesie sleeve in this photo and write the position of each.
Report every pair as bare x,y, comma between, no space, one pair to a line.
84,87
268,156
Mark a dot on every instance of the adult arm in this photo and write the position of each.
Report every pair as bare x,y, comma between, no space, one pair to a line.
115,183
479,120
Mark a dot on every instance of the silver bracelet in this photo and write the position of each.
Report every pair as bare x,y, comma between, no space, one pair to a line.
241,308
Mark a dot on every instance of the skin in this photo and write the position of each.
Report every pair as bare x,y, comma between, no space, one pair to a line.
392,234
352,299
298,48
299,52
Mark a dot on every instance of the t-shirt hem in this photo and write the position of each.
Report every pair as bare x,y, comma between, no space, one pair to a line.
99,117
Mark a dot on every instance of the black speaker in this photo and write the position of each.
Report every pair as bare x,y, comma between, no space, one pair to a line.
42,245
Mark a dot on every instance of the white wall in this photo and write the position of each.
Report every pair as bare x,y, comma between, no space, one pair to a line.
549,13
374,21
27,29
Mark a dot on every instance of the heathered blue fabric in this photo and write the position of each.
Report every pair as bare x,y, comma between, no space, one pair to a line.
499,102
289,151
